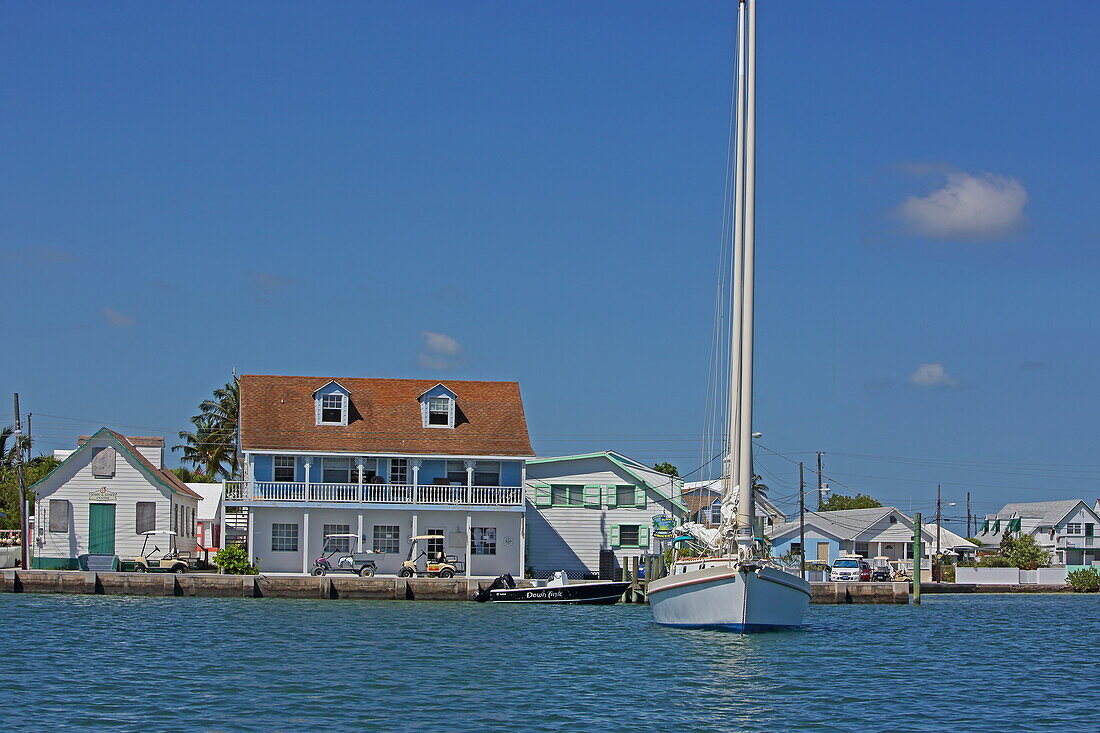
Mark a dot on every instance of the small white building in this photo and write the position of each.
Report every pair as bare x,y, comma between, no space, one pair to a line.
580,505
103,496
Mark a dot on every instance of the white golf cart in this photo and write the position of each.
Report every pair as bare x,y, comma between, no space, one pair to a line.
169,562
334,559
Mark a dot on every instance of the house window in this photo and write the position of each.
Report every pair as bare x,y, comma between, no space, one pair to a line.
456,473
103,462
175,518
862,548
284,537
435,545
483,541
567,495
796,548
399,471
284,468
336,470
1073,528
332,409
487,473
716,512
628,535
387,538
340,544
624,495
893,519
59,515
439,411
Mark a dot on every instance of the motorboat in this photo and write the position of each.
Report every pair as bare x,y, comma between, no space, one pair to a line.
556,590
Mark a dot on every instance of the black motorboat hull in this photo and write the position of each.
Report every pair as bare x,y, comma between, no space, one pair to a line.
596,594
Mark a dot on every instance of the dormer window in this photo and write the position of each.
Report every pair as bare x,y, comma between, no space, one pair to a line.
332,409
439,411
331,404
438,407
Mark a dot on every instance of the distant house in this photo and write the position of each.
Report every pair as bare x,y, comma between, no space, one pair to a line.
382,460
879,532
704,503
104,495
1066,528
582,504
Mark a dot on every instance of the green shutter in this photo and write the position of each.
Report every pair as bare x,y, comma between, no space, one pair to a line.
639,496
614,535
592,495
643,536
542,495
610,496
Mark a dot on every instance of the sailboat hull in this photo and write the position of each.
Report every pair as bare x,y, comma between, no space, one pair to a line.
728,597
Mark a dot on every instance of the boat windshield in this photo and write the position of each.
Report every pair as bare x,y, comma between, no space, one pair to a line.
846,564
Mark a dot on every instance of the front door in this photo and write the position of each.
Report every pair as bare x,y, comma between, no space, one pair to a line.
101,529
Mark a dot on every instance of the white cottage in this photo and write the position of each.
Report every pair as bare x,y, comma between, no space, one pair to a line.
103,496
580,505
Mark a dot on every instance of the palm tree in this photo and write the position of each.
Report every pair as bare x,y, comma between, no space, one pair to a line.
212,447
7,455
188,476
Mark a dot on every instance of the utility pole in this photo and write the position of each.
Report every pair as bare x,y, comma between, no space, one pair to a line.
24,518
916,558
820,485
28,458
801,521
968,534
939,522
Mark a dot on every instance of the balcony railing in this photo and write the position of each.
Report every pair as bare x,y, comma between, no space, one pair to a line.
1077,541
278,491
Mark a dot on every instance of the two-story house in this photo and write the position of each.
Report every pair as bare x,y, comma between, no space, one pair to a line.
1067,528
383,459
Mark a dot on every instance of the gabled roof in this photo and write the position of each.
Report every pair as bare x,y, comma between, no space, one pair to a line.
277,413
161,476
699,494
845,524
1049,513
663,484
331,381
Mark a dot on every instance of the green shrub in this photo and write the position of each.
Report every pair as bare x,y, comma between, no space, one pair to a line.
1086,580
994,561
233,560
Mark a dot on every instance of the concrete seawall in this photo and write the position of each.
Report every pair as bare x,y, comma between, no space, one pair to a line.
239,586
843,593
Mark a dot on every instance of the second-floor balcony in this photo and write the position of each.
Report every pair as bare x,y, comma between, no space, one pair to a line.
250,492
1076,541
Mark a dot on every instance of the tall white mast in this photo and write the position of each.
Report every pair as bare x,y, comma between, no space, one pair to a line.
746,504
733,443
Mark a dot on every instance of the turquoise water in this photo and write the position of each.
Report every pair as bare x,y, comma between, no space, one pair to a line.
986,662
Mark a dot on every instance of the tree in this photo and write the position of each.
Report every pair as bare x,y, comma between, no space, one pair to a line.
1026,554
667,468
212,447
837,502
33,471
188,476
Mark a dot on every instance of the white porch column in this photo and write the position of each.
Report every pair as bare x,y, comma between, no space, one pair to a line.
522,544
469,545
250,527
415,529
305,540
359,465
415,464
360,532
308,461
469,479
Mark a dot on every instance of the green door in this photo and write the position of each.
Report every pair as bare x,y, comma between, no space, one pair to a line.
101,529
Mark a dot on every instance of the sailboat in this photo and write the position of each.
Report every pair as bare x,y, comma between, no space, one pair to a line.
734,586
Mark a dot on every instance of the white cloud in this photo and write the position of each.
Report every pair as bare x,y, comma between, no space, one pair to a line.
932,375
967,206
439,351
116,319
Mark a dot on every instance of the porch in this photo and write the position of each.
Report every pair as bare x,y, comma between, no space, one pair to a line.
261,492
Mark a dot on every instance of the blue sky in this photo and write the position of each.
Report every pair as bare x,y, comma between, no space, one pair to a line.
316,189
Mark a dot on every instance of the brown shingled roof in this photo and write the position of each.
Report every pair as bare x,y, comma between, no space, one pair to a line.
277,413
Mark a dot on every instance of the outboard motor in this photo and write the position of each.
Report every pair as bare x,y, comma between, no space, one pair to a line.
502,581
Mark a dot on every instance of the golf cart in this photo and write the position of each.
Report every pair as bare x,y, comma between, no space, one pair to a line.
169,562
335,560
436,565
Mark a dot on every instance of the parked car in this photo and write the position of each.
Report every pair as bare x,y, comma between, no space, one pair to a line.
845,569
865,571
881,574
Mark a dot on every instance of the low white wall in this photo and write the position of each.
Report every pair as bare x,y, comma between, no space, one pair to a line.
9,556
1050,576
987,576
